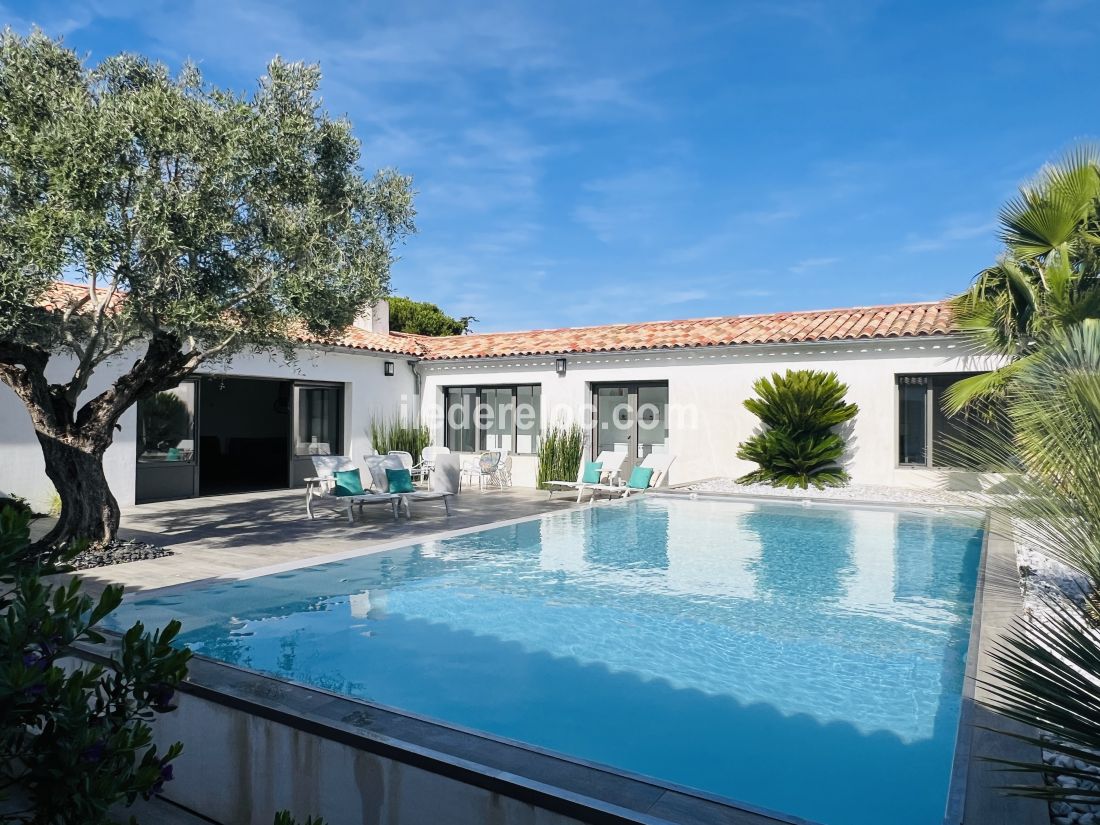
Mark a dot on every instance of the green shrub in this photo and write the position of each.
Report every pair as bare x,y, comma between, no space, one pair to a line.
561,447
75,738
399,432
798,447
17,503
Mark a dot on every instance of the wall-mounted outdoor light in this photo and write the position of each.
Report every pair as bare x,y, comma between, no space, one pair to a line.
559,366
387,367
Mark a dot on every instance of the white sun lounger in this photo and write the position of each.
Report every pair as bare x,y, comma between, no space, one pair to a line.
321,488
442,488
609,474
659,463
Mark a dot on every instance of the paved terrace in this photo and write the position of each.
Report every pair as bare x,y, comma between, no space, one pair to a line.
223,536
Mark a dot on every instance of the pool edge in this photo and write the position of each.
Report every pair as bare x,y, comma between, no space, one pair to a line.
974,794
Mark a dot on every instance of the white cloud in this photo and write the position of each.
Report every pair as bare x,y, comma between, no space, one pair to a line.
807,264
954,232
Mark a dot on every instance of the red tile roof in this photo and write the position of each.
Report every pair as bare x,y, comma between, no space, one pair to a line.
855,323
895,321
355,338
61,295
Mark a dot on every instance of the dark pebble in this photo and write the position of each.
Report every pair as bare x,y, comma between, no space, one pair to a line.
118,552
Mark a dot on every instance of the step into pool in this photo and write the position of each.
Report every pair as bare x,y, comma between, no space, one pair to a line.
807,660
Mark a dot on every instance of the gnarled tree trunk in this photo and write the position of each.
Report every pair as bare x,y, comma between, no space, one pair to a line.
74,440
88,508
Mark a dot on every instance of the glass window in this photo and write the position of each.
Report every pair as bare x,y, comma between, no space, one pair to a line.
913,420
460,433
318,430
652,420
929,437
528,418
497,418
166,425
492,418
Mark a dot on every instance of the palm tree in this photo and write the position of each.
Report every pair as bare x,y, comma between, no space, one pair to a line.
1048,666
1048,277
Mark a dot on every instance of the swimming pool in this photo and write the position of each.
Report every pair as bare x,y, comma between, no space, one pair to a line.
804,659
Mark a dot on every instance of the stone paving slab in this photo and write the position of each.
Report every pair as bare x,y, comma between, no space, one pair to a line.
226,536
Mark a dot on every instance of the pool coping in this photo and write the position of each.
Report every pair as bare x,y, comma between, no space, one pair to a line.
976,795
484,760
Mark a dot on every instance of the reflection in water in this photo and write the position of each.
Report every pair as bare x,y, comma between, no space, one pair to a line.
700,642
782,570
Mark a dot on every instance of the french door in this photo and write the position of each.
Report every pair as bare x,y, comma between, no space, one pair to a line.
630,418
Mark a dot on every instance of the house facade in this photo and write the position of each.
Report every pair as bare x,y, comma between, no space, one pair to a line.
676,387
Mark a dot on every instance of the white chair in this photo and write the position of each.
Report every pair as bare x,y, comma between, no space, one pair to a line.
407,462
658,462
320,488
428,458
609,474
504,467
484,469
379,464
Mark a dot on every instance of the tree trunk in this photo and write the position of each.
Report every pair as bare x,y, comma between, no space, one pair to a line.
88,508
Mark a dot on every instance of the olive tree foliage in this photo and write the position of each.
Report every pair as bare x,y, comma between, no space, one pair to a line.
193,223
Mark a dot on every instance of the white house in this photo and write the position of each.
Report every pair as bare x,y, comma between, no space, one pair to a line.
672,386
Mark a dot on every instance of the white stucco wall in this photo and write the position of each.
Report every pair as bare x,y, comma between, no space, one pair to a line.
367,392
707,388
22,470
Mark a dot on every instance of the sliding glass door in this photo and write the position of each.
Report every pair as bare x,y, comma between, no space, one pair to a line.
632,419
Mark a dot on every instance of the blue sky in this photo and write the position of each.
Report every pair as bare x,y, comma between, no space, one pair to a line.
601,162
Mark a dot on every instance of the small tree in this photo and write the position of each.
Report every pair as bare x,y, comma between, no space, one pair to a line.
422,318
799,447
199,222
75,740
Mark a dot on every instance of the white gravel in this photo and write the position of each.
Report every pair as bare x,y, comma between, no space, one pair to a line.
852,492
1043,578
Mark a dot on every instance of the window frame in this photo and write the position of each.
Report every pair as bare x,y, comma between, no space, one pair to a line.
479,391
928,379
297,413
192,461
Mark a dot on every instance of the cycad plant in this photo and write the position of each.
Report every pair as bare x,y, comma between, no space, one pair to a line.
561,447
399,432
799,446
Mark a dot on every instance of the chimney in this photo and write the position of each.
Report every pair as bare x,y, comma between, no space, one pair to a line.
375,318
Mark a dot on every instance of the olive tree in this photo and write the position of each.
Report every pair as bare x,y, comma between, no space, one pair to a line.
190,223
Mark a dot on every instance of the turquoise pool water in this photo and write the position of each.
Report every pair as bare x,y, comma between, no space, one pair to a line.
807,660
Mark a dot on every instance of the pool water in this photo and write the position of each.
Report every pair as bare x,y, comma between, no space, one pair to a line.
807,660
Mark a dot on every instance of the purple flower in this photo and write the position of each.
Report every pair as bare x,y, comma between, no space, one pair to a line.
36,660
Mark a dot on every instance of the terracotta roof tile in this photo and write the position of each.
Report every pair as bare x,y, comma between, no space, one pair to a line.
894,321
918,319
355,338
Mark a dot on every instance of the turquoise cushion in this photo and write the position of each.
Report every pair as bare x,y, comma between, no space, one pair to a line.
400,481
348,483
639,478
592,472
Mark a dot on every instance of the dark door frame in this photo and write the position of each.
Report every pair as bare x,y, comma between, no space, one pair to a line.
631,388
155,474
